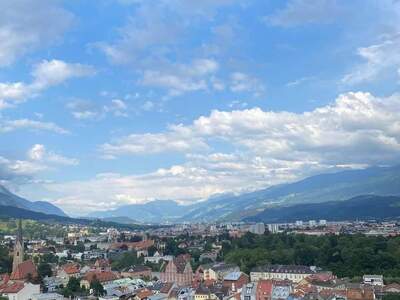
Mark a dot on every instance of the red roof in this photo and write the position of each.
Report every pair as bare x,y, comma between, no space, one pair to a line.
145,293
102,276
71,268
23,270
13,288
264,287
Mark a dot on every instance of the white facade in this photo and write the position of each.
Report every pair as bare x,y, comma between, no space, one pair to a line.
258,228
26,293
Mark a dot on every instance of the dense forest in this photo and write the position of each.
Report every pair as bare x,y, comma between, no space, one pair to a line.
345,255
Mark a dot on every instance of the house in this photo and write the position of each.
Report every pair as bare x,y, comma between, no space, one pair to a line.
179,271
143,294
67,271
249,291
24,271
137,271
48,296
264,289
294,273
235,280
203,293
392,288
104,277
373,280
157,257
20,290
102,264
359,292
281,290
218,271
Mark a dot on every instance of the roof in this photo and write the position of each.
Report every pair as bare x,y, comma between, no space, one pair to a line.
166,288
102,276
180,262
233,276
264,287
144,293
138,268
13,288
24,270
296,269
71,268
223,267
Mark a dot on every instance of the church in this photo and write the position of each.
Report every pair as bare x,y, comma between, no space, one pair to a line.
20,284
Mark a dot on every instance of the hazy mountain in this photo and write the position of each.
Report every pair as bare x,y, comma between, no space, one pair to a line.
358,208
9,199
343,185
153,211
320,188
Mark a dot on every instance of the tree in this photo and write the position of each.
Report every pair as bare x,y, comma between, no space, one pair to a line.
97,287
74,284
44,270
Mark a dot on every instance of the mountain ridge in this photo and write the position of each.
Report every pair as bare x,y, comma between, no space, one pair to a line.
7,198
324,187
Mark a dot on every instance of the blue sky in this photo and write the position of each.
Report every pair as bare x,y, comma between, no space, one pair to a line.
104,103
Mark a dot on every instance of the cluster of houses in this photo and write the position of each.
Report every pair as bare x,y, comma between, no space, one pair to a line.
177,280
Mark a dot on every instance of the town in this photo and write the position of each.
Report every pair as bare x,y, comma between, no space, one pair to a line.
188,262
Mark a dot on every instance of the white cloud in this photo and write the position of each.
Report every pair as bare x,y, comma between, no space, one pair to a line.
178,79
45,74
24,27
380,60
241,82
89,110
39,153
12,125
270,147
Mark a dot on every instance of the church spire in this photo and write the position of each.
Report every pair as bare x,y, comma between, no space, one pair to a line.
18,247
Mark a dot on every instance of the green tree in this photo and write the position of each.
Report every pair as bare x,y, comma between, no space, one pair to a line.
97,287
44,270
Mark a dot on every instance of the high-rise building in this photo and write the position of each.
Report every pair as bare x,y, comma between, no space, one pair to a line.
18,248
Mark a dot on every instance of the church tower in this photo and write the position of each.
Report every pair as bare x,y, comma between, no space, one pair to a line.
18,248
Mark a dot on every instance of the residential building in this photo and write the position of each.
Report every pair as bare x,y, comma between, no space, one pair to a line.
294,273
249,291
235,280
373,280
20,290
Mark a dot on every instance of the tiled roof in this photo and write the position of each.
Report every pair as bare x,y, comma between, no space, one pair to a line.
71,268
23,270
13,288
295,269
142,294
102,276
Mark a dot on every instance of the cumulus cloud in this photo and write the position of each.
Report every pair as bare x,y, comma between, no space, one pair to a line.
25,26
12,125
356,130
39,153
45,74
379,61
38,159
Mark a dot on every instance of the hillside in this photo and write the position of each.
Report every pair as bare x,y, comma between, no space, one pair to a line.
9,199
343,185
357,208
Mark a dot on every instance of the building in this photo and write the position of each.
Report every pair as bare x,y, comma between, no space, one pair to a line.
258,228
249,291
24,271
373,280
20,290
18,256
235,280
48,296
104,277
179,271
157,257
137,271
68,271
219,271
294,273
273,228
264,290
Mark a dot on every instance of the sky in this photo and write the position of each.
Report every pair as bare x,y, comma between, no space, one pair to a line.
112,102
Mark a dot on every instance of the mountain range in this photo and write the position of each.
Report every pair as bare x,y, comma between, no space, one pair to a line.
11,200
366,207
339,186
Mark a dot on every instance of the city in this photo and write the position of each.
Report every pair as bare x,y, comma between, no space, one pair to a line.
200,150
